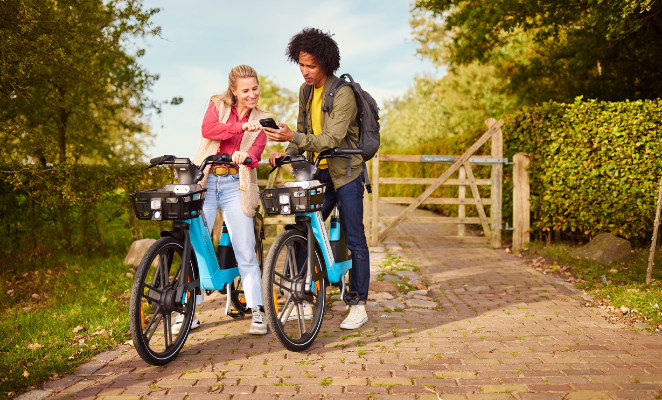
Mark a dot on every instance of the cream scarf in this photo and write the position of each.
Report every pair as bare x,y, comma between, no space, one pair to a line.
250,196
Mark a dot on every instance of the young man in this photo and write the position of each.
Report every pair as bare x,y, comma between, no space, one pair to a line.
318,57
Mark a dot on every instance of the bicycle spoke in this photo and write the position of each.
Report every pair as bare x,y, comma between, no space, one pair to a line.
167,332
282,277
301,316
288,289
286,308
299,323
155,320
150,299
150,287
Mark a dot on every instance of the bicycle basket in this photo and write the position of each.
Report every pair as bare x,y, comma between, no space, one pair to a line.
287,200
162,204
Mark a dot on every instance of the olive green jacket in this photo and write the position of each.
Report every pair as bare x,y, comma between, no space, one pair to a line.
335,128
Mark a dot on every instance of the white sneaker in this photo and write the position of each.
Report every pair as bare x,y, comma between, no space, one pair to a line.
179,321
294,314
258,326
356,318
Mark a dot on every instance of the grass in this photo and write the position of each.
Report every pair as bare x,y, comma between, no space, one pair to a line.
626,281
60,310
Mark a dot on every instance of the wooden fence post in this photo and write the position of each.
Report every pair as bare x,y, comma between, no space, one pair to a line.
461,210
521,205
656,225
496,189
375,200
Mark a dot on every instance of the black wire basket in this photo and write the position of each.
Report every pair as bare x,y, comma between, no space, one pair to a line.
162,205
287,200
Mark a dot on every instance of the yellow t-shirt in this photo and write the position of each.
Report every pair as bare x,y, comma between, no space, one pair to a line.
316,117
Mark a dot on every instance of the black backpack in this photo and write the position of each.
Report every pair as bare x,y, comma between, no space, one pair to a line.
367,116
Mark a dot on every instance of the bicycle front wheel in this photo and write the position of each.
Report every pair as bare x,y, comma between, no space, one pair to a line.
293,315
160,326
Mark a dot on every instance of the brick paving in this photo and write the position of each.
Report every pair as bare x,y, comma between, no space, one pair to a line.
499,330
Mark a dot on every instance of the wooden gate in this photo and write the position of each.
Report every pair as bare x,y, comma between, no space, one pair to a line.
462,164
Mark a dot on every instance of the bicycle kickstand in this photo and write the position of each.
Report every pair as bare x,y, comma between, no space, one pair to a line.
236,314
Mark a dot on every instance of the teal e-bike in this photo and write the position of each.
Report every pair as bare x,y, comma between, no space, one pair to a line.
181,264
303,260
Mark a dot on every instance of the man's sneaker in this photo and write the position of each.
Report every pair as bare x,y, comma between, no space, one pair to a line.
356,318
258,326
179,321
294,314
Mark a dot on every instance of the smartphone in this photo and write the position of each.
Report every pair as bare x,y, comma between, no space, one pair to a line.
269,123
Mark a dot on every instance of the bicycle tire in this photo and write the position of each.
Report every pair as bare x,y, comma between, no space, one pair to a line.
276,310
165,251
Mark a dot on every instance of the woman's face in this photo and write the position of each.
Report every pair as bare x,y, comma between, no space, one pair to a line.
247,92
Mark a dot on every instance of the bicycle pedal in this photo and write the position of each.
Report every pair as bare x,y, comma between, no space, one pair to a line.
351,298
236,314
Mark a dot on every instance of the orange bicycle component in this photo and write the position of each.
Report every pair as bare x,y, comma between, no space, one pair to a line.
142,316
317,283
275,301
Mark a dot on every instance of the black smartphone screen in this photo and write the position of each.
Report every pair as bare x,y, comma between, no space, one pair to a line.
269,123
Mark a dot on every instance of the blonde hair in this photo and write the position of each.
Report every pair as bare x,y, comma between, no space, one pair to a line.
228,98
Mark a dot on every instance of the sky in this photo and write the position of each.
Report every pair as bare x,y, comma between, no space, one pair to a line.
202,40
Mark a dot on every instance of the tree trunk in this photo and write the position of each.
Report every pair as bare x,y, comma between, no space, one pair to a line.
61,119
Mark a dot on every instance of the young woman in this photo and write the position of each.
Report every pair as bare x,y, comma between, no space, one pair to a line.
231,125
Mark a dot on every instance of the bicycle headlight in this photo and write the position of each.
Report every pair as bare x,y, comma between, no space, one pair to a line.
284,199
156,204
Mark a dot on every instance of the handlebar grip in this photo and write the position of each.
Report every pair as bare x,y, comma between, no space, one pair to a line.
156,160
248,161
348,151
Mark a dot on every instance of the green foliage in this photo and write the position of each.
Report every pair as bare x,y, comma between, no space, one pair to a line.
58,314
594,165
70,82
434,109
550,50
627,280
69,204
280,103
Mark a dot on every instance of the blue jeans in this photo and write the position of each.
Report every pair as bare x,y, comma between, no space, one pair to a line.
349,199
223,192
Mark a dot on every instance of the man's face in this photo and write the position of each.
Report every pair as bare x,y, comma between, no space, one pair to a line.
311,70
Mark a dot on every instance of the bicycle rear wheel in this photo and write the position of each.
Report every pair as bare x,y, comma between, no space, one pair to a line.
294,316
152,309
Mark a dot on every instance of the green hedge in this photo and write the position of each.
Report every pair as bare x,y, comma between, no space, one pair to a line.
68,207
595,166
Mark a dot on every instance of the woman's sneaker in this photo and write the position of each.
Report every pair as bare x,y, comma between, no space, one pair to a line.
294,314
356,318
258,326
179,321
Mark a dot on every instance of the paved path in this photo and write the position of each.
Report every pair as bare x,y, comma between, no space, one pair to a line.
496,330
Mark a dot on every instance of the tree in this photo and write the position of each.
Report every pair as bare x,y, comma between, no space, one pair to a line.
454,105
71,86
550,49
281,103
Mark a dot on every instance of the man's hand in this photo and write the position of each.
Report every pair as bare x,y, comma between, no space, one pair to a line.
284,134
239,156
274,157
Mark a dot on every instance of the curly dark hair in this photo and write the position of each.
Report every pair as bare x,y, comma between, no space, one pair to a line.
318,44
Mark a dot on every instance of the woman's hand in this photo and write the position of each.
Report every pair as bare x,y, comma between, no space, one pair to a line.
239,156
274,157
284,134
251,126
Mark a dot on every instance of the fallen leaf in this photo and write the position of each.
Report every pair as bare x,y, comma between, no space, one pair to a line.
103,299
78,329
35,346
26,373
35,296
11,293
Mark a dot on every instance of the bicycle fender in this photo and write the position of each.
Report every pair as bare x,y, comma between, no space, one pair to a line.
176,233
298,227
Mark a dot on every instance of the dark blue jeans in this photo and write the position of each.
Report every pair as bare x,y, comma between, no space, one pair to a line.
349,199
